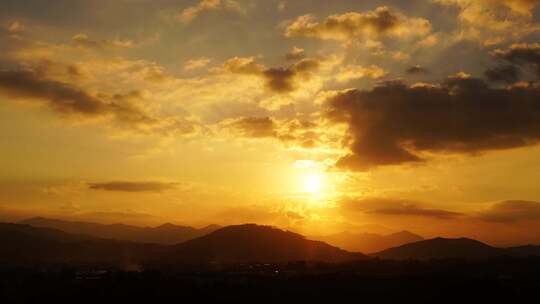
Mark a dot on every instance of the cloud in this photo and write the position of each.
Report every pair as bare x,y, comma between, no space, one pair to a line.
295,54
394,207
429,41
521,54
512,211
198,63
255,127
415,211
70,100
285,80
60,96
522,7
503,73
16,27
417,69
83,41
188,14
494,21
394,124
353,72
376,24
122,186
277,80
243,65
301,133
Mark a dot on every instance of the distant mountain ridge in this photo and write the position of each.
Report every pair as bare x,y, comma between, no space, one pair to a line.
27,245
166,234
370,242
444,248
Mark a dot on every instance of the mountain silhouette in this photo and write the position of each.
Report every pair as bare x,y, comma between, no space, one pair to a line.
442,248
27,245
249,243
167,234
254,243
370,242
524,251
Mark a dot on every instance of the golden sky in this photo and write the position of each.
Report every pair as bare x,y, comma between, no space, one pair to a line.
316,116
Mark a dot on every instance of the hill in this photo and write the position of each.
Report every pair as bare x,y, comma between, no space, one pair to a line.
253,243
370,242
442,248
166,234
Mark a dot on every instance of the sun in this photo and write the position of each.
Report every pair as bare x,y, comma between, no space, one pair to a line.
313,183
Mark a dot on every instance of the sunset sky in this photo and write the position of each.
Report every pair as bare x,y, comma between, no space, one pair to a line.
314,116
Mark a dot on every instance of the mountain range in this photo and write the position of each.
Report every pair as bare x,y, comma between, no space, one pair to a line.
166,234
170,234
27,245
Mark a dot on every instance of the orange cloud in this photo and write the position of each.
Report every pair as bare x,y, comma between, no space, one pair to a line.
123,186
188,14
255,127
395,207
353,72
295,54
512,212
494,21
194,64
83,41
382,22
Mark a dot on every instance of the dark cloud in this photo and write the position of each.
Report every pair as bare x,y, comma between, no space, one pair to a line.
68,99
284,80
417,69
512,211
256,127
277,80
395,207
526,55
503,73
393,124
306,65
60,96
133,186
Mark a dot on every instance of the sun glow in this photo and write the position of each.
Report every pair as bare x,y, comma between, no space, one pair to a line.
314,183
